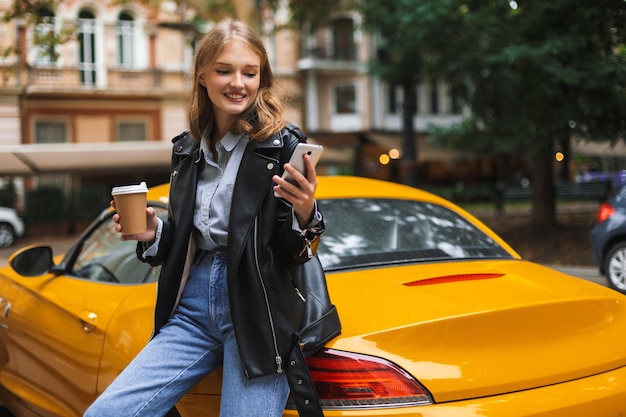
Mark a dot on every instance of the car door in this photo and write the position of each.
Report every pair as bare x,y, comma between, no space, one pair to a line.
8,370
60,323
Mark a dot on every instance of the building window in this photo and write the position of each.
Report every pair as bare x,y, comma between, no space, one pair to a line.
125,26
345,99
434,98
131,131
392,99
343,36
396,101
50,131
87,47
45,37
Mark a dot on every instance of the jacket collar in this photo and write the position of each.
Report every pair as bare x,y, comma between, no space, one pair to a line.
273,142
184,144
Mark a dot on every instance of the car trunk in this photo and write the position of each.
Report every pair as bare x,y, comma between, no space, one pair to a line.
482,328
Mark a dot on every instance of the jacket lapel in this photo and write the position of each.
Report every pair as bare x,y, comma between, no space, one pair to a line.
254,181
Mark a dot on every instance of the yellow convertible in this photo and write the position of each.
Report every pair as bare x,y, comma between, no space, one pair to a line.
440,318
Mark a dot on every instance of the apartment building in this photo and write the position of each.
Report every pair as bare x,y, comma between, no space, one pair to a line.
358,116
100,105
101,108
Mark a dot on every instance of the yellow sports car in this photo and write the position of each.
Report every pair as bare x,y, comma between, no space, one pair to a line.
440,318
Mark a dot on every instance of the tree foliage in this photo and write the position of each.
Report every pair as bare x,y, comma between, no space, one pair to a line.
528,71
313,14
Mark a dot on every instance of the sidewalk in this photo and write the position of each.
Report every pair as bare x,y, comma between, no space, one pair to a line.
487,210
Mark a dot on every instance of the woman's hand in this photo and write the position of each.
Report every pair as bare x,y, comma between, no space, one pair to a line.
148,236
300,195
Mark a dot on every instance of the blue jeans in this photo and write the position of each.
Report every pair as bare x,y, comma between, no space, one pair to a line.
198,338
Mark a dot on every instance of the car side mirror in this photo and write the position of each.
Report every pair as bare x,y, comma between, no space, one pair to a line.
32,261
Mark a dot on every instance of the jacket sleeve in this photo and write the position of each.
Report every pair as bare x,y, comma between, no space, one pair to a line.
305,244
180,142
300,245
167,233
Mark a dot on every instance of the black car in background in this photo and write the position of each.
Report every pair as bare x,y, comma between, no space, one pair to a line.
608,240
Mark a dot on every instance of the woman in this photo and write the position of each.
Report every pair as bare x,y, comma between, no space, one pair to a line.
224,297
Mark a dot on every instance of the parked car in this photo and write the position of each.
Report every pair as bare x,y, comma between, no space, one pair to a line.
608,240
440,317
11,226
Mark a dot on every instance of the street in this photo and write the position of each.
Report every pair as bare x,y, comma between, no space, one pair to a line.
589,273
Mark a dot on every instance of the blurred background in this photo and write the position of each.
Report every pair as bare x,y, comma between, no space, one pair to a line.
478,101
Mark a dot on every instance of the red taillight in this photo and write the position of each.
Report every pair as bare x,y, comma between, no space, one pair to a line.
605,211
347,380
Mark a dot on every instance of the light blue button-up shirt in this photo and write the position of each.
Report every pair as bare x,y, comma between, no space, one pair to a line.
215,190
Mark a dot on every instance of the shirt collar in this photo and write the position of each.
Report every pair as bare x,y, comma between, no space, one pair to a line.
231,140
228,142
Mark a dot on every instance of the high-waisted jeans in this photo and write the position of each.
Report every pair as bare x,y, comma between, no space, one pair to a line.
198,338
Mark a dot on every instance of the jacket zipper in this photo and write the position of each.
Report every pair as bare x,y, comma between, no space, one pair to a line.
278,359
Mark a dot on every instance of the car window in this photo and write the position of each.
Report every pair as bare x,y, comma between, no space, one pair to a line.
367,232
104,257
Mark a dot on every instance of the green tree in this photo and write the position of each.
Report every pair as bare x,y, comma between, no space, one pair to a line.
528,71
398,61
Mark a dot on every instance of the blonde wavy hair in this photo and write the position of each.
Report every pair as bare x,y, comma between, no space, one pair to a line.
265,117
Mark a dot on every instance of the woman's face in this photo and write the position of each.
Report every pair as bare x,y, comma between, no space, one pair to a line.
232,82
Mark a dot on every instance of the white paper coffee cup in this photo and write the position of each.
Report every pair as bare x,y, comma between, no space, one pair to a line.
130,203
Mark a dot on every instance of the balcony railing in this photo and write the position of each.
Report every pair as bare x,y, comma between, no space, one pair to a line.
331,61
112,79
328,53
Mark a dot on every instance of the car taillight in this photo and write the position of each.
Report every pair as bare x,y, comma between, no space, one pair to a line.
351,380
605,211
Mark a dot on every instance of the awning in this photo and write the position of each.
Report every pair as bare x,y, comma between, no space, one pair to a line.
76,157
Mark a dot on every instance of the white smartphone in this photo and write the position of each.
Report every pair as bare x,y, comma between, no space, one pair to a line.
297,160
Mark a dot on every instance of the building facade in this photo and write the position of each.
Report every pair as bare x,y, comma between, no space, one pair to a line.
101,107
357,115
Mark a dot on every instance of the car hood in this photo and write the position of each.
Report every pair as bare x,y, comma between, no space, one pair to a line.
481,328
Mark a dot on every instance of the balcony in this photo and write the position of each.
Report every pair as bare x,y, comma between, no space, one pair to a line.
326,58
114,81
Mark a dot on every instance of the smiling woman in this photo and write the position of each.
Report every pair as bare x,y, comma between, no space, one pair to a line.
226,247
232,82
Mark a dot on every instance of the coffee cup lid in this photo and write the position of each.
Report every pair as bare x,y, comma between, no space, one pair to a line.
130,189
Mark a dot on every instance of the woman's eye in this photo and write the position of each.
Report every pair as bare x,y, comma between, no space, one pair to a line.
222,72
251,74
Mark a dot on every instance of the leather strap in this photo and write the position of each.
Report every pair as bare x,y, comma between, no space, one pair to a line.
301,384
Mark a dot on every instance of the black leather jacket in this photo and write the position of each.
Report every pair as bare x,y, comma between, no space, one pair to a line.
261,242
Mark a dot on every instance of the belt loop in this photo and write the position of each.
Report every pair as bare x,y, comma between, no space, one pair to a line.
219,251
